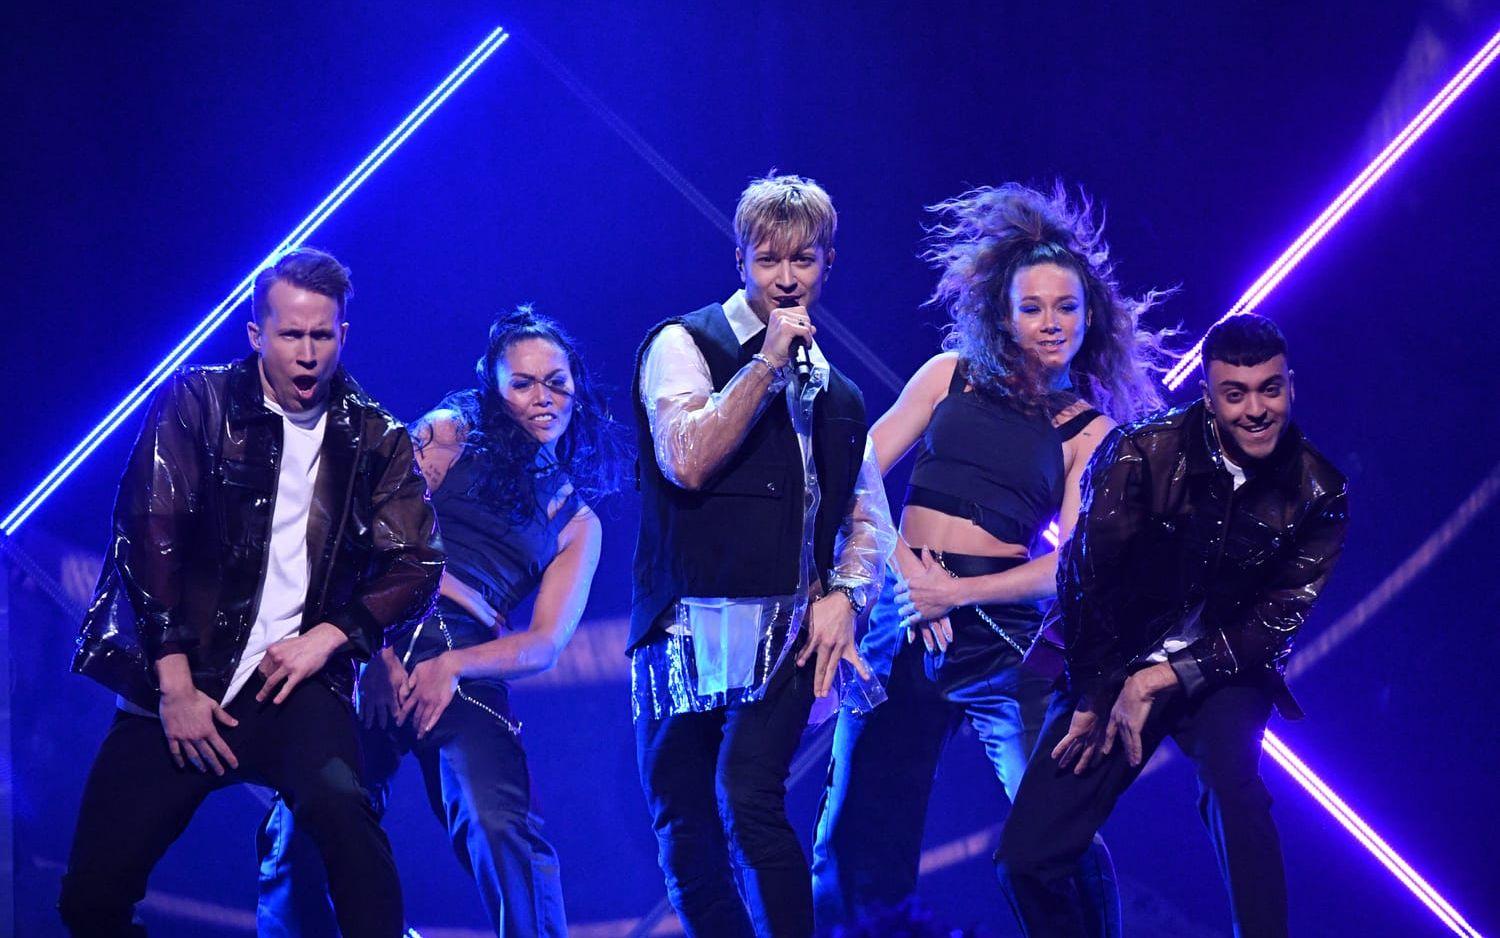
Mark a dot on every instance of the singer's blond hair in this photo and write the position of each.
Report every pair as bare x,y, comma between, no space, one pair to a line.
790,212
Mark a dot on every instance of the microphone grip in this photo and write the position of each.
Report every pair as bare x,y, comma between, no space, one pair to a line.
801,360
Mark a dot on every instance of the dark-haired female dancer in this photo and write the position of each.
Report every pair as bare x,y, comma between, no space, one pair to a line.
1042,356
511,465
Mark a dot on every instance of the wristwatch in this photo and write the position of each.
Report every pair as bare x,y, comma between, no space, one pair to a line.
858,596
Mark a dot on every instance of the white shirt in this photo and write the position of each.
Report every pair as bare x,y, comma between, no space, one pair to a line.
674,369
283,591
728,633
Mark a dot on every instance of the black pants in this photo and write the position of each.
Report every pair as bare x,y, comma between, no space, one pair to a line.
478,786
716,786
1057,813
136,802
869,836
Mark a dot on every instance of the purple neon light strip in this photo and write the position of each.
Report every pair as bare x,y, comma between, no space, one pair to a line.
1340,206
1362,832
1347,199
1252,297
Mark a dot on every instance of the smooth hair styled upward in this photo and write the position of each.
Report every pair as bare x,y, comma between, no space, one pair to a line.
305,267
981,239
789,211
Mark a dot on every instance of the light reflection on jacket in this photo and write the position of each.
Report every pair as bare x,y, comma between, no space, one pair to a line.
192,528
1162,532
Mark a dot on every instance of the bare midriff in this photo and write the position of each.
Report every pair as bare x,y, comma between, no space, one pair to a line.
924,527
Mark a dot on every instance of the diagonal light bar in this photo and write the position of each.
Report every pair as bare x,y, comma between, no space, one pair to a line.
1340,206
1252,297
1347,199
220,313
1362,832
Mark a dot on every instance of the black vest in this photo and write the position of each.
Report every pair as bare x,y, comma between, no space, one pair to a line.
741,534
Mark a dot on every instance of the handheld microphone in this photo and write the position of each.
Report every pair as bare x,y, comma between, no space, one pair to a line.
801,360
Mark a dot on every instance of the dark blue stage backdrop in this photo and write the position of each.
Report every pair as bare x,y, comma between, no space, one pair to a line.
155,152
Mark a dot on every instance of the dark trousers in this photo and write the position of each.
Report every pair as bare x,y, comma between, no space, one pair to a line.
716,786
479,788
136,802
869,836
1056,812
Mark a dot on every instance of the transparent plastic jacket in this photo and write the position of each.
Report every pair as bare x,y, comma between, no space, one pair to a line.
693,430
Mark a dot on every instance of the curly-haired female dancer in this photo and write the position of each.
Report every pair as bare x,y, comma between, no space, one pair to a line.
1042,356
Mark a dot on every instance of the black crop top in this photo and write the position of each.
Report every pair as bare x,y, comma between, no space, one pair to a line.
503,560
991,462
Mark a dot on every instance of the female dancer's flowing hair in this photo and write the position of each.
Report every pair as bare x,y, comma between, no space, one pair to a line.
981,239
591,451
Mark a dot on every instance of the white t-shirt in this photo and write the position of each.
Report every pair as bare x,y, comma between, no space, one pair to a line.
283,591
1191,628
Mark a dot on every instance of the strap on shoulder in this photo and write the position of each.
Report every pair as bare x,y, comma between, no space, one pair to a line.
1074,425
960,378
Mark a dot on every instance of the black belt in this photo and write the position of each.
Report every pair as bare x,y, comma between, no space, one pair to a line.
1000,526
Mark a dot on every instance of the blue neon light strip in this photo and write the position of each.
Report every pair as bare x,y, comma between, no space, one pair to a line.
220,313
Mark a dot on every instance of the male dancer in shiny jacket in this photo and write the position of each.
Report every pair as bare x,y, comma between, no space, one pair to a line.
270,525
1206,535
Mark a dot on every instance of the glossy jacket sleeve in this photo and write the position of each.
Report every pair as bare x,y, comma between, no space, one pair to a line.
406,566
154,513
1090,569
1264,638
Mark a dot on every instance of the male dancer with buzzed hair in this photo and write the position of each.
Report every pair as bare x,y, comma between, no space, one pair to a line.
1205,537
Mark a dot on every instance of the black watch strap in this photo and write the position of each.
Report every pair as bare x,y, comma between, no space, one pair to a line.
855,597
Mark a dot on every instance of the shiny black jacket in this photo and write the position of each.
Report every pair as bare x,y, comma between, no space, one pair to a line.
192,527
1163,534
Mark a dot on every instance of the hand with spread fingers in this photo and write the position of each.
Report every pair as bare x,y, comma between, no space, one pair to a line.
1127,719
831,640
937,635
428,691
924,600
189,718
1080,746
